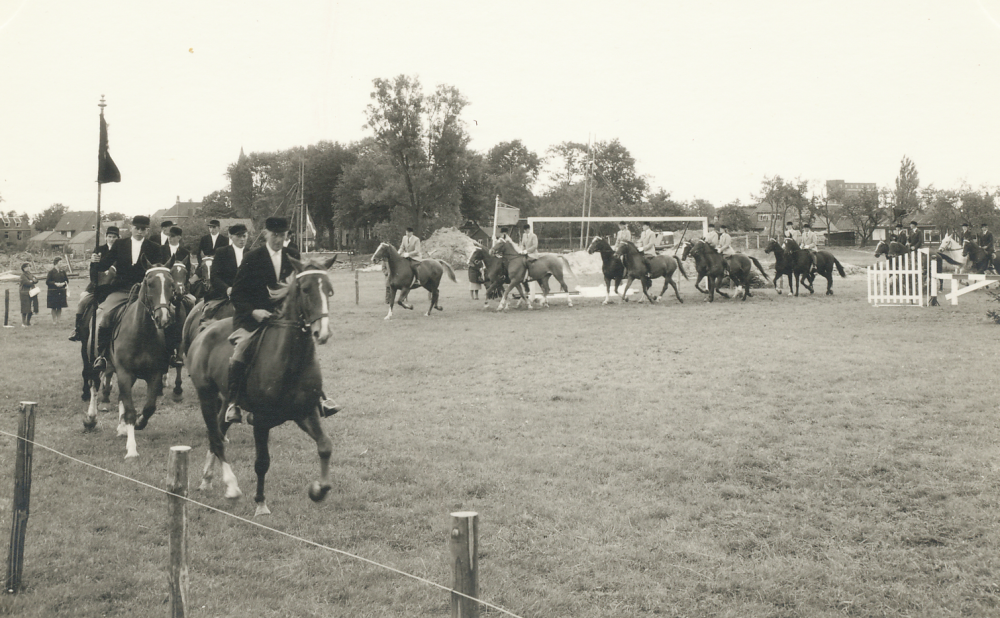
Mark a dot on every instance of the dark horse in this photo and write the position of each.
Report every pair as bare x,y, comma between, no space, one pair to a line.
283,380
659,266
782,265
521,269
979,260
612,267
494,271
891,249
183,303
139,351
404,276
822,263
714,266
201,279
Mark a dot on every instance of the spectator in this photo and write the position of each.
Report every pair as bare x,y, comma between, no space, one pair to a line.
56,282
25,287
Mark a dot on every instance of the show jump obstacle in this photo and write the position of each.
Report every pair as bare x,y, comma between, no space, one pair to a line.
912,280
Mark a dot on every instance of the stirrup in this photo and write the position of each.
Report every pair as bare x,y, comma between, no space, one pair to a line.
233,414
175,360
100,363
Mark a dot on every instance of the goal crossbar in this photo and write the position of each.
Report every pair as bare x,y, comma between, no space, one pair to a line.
533,220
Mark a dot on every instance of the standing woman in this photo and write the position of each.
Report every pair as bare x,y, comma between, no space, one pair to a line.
27,282
56,281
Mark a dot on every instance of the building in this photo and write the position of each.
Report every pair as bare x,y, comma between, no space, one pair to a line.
14,229
69,227
837,188
177,213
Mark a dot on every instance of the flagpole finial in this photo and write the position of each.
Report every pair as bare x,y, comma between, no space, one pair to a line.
102,104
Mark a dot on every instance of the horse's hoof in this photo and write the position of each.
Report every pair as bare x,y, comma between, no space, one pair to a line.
262,509
141,423
605,303
680,301
122,431
132,455
89,423
205,485
232,493
317,492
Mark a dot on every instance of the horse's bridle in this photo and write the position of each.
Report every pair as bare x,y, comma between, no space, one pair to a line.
168,305
302,321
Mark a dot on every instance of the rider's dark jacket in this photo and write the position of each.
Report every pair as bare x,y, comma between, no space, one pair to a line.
250,288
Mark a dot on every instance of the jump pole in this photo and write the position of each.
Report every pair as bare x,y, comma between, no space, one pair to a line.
177,485
6,308
22,496
464,546
357,292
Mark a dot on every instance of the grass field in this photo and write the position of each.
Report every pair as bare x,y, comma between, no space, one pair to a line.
808,456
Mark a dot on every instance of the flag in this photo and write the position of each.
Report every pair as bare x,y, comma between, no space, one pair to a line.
107,171
507,214
309,225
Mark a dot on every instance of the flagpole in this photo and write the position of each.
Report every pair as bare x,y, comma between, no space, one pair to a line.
97,246
496,213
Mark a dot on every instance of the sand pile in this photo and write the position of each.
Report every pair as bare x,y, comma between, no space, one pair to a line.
584,263
450,245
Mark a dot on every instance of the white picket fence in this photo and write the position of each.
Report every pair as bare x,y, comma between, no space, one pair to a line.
901,281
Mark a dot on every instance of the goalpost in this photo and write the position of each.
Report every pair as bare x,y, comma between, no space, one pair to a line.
533,220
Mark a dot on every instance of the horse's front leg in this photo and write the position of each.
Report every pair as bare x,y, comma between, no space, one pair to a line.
261,465
212,414
126,412
405,292
178,390
90,420
628,284
311,425
607,290
697,284
433,298
392,301
150,407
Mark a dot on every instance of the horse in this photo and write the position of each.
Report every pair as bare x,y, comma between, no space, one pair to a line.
283,384
890,249
201,279
92,379
196,318
713,265
139,351
801,263
612,267
979,260
659,266
823,263
494,272
183,303
950,252
404,276
782,265
522,269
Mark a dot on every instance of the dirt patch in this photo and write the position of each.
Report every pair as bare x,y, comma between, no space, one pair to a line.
450,245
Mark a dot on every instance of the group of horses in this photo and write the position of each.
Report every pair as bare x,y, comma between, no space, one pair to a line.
283,382
959,256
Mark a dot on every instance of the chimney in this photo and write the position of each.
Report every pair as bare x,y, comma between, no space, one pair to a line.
178,199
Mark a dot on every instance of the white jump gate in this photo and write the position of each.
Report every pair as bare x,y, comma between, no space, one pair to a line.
901,281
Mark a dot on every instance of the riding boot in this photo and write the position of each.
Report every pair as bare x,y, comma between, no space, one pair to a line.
77,335
237,372
103,345
327,407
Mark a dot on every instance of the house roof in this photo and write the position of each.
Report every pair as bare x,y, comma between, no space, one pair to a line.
77,222
83,240
180,210
15,223
42,236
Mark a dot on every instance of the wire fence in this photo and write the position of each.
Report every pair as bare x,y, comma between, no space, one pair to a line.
250,522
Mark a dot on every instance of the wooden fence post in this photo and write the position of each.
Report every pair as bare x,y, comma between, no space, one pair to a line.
357,292
6,307
177,485
464,545
22,495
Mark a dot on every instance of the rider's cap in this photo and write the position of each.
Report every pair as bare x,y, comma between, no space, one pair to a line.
505,229
409,229
807,225
111,230
788,223
711,225
236,230
167,223
214,223
913,222
142,220
724,227
526,226
899,225
176,231
646,223
966,224
278,225
622,223
984,224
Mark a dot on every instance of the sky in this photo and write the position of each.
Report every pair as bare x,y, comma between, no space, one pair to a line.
709,97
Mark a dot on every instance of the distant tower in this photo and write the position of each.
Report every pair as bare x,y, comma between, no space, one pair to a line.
241,186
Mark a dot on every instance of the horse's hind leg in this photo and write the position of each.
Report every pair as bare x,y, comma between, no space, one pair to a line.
434,297
178,389
311,425
392,301
564,288
676,291
211,412
126,413
261,466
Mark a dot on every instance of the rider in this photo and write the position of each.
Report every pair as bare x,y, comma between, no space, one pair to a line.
211,242
126,256
915,239
986,241
227,262
507,240
410,247
791,232
164,236
712,237
809,239
899,235
647,243
725,241
93,290
264,268
623,235
967,234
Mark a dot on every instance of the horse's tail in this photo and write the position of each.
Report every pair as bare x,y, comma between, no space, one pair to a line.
759,267
680,267
447,267
567,266
840,269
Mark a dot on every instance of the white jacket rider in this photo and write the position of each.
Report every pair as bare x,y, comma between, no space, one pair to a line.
623,235
712,238
725,242
809,238
647,241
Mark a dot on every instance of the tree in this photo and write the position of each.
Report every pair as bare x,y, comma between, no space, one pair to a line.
49,218
864,211
782,196
425,139
906,191
368,190
700,208
114,216
510,171
218,204
613,168
736,217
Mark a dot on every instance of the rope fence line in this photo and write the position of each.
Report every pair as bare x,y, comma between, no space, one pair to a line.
264,527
